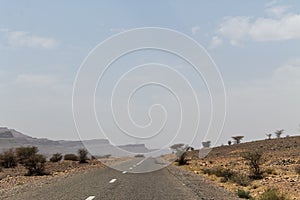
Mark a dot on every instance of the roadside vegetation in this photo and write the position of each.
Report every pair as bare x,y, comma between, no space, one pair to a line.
273,194
262,170
26,156
71,157
8,159
35,163
82,155
56,157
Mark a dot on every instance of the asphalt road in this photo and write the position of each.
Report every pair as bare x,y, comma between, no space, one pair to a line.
166,183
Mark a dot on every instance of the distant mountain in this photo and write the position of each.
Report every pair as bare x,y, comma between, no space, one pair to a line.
10,138
11,133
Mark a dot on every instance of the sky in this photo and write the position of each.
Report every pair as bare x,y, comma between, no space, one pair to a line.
254,44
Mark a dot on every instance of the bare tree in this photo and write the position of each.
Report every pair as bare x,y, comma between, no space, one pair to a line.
269,136
278,133
237,139
206,144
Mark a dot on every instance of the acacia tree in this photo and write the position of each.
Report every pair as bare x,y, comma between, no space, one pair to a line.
181,151
206,144
237,139
269,136
176,147
278,133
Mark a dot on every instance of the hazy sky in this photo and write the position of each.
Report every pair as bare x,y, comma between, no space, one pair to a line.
255,44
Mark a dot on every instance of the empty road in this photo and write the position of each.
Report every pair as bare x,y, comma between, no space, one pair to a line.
167,183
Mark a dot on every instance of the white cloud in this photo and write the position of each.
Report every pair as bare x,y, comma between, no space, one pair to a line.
26,39
195,30
215,42
277,11
285,26
234,28
36,80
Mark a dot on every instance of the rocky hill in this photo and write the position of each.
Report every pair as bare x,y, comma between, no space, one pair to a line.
10,138
281,157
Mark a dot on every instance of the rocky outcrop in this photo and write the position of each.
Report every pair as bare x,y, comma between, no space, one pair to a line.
10,138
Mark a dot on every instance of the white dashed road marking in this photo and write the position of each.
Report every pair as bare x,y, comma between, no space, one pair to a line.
90,198
141,161
112,180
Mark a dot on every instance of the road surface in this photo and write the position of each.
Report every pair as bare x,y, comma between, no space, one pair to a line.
101,184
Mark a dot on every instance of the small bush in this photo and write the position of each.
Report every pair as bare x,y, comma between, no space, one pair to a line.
24,153
254,161
71,157
33,162
219,172
241,179
82,155
244,194
228,175
273,194
8,159
35,165
182,160
56,157
297,169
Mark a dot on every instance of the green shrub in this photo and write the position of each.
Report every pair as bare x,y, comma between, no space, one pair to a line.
35,165
71,157
8,159
219,172
244,194
24,153
228,175
240,179
82,155
33,162
273,194
254,160
56,157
